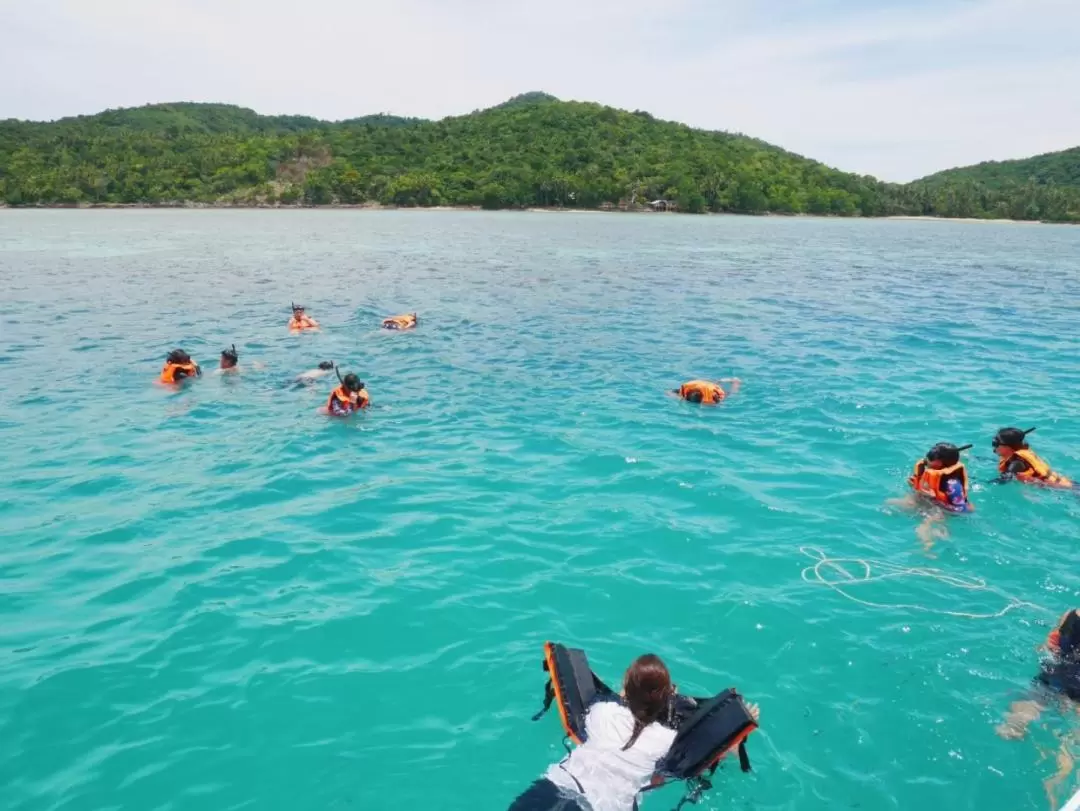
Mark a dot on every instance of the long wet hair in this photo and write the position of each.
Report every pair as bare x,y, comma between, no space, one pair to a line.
647,688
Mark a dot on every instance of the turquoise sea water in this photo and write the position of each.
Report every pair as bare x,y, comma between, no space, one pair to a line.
218,599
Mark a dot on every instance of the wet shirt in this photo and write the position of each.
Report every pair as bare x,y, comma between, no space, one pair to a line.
610,778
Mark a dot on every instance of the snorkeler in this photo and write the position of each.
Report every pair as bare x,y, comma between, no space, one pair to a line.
408,321
941,476
307,378
348,398
1017,460
1058,679
179,367
300,320
229,358
706,392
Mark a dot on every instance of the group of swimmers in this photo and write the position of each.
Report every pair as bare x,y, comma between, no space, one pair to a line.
622,741
349,397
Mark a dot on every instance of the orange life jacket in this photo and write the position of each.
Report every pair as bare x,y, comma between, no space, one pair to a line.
400,321
711,393
344,399
169,372
1038,471
301,324
929,482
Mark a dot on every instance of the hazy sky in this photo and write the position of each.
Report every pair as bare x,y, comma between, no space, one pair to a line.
894,88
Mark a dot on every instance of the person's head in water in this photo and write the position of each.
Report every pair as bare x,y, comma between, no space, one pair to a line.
179,357
942,455
352,383
694,396
326,365
230,357
1009,440
1065,639
647,690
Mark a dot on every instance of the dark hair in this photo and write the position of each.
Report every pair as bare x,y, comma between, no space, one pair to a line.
693,396
647,687
326,365
231,354
1011,438
178,356
944,452
1069,636
352,382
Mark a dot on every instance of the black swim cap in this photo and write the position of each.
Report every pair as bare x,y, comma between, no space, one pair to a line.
1011,438
178,356
944,452
326,365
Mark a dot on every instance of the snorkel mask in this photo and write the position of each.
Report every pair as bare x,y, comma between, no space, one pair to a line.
946,453
1010,438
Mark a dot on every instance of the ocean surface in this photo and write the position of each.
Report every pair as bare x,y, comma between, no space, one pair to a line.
216,598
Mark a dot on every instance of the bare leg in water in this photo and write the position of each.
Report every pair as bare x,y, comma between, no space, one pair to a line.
933,527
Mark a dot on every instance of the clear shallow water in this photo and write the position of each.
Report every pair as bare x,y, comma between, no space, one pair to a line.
219,599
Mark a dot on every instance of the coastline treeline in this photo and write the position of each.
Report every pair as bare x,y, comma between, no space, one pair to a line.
533,151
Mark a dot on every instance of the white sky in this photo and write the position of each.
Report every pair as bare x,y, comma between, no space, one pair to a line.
893,88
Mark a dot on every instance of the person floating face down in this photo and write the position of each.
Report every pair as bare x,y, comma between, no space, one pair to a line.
300,320
623,745
1017,461
1058,677
229,359
941,476
348,398
400,322
179,367
706,392
324,368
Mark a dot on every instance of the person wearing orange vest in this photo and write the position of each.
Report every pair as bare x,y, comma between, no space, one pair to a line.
941,476
1059,675
179,367
706,392
348,398
1018,461
408,321
300,320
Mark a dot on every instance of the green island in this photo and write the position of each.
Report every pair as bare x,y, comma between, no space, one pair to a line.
533,151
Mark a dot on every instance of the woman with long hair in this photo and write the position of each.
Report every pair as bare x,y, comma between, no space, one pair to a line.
624,741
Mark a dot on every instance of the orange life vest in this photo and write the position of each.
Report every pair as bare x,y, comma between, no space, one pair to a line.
711,393
929,482
344,399
301,324
1038,471
169,372
400,321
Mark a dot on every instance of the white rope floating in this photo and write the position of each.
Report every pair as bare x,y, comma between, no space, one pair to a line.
844,574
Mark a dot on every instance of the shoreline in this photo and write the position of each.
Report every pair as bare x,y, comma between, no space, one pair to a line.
531,210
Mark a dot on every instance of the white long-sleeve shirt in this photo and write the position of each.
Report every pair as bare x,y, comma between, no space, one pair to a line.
609,777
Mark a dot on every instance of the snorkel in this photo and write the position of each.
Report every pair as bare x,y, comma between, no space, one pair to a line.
946,453
1012,438
229,358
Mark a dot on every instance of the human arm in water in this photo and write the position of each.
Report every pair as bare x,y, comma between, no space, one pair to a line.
1014,466
735,384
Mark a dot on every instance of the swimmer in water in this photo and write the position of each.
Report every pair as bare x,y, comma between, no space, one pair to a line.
706,392
179,367
1017,461
229,358
624,744
1058,681
941,480
300,320
307,378
400,322
348,398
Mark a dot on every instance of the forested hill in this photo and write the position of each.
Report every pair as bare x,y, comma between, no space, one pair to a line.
531,151
1051,169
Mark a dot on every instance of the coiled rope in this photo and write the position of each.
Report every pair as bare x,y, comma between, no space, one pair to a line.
843,574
